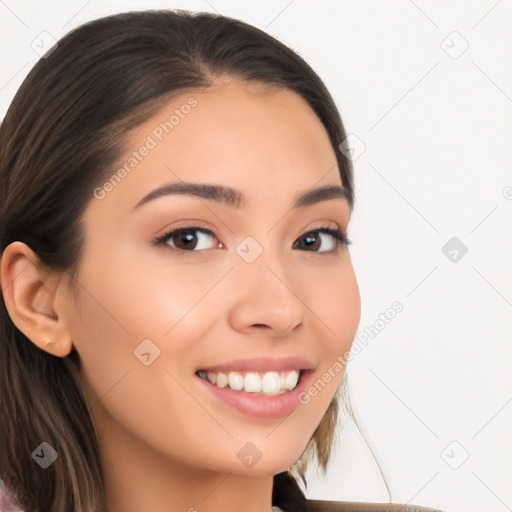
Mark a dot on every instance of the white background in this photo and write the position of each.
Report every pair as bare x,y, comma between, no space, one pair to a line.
435,123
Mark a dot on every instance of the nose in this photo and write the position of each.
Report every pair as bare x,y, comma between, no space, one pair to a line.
265,299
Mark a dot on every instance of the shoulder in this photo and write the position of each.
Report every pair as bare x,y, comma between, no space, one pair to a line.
352,506
7,501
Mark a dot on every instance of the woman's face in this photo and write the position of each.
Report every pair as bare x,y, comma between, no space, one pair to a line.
251,287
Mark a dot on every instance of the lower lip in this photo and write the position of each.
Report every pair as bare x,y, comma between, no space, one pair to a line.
260,406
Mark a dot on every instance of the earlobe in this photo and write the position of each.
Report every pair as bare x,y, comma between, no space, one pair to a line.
29,291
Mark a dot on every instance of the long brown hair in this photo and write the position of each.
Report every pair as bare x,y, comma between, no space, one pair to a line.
61,137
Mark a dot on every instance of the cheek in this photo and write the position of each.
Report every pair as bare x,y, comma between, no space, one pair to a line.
121,308
133,298
337,305
126,301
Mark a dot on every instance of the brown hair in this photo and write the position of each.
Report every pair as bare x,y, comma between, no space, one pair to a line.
61,137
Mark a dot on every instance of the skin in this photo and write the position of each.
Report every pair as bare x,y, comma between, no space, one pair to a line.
166,443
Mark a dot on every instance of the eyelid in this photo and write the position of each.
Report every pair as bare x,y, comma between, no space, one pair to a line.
193,223
188,224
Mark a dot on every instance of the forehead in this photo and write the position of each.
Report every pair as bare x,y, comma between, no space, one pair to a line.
253,137
237,121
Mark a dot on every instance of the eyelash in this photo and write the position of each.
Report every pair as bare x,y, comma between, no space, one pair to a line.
340,237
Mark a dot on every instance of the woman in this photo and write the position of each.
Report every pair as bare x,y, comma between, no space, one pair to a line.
178,297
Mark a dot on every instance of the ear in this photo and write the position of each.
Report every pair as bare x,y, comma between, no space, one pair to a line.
32,296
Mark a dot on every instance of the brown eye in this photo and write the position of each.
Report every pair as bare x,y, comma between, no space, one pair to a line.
191,239
194,239
311,240
185,239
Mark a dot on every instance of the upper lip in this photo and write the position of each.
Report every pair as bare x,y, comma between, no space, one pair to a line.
262,364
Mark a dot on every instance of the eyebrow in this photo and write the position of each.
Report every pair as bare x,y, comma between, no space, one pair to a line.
235,198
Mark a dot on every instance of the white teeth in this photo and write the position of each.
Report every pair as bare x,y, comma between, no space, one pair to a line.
252,383
271,383
264,383
291,379
222,380
236,381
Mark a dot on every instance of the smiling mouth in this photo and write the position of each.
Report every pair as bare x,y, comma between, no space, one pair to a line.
269,383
